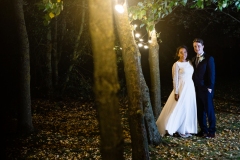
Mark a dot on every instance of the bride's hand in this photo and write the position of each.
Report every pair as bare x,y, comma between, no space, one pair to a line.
176,97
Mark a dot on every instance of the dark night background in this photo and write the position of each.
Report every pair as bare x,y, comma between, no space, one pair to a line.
219,30
224,49
220,33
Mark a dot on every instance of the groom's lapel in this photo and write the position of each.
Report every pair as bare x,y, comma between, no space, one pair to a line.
195,59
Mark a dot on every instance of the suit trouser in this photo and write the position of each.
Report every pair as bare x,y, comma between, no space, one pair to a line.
205,110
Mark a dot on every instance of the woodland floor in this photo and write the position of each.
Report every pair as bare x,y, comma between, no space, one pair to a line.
69,130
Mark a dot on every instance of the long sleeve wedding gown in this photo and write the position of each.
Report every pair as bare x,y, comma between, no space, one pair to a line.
180,116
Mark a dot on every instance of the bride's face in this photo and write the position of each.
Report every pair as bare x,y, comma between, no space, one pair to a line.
182,54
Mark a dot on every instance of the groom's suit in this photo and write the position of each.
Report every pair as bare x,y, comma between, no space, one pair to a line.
204,79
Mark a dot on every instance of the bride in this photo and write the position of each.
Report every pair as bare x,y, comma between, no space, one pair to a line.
180,112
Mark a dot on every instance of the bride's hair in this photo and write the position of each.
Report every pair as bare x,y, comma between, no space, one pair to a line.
178,48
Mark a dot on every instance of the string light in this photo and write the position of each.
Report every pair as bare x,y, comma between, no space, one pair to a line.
116,48
139,39
140,44
119,6
135,26
137,35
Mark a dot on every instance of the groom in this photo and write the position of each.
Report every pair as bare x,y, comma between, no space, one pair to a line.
204,80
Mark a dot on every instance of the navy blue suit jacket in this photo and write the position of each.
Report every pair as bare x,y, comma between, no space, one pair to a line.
204,73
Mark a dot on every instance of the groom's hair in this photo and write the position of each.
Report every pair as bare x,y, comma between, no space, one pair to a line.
198,40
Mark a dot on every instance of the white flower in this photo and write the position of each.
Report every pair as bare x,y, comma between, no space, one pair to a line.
201,58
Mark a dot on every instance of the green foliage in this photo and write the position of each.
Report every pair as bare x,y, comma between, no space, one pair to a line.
220,4
52,8
149,13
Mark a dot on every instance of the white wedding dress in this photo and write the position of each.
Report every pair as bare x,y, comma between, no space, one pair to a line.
180,116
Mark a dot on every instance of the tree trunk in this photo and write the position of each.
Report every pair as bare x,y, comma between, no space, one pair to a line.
133,75
48,77
25,125
55,57
155,75
150,123
106,79
62,33
76,53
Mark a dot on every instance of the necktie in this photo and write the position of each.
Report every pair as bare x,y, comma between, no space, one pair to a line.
196,61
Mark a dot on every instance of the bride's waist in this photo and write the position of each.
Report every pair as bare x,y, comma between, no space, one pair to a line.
185,78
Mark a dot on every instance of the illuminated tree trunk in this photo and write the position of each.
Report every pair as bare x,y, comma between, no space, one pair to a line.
150,123
154,74
106,78
25,125
130,54
138,92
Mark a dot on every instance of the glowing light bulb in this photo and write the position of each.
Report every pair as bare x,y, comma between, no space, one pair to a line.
145,46
140,44
137,35
135,26
119,8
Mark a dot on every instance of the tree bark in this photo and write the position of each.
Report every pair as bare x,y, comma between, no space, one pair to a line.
150,123
76,53
48,77
25,125
63,30
133,75
155,75
55,57
106,79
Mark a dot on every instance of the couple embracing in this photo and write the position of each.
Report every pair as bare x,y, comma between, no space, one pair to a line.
191,100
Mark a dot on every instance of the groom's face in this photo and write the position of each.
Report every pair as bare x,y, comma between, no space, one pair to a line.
198,47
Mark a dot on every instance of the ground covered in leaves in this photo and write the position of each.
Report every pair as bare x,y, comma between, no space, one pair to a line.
69,130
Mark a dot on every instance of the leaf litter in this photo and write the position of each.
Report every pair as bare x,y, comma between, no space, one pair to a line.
69,130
